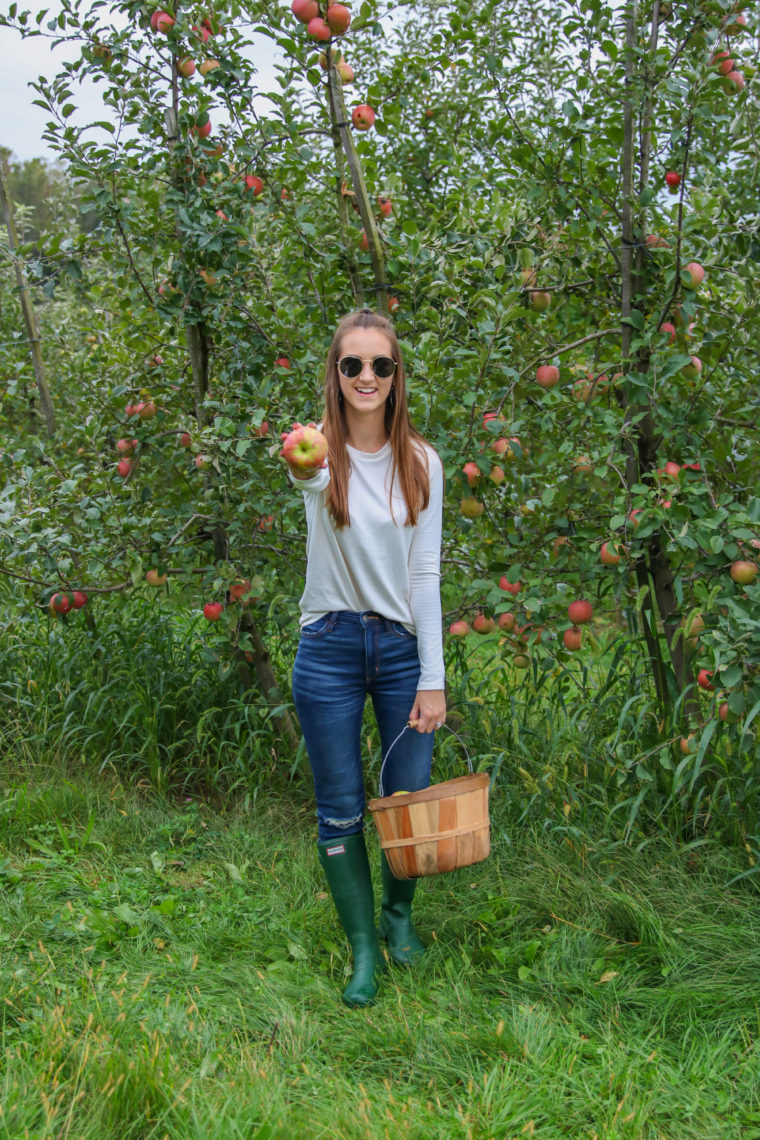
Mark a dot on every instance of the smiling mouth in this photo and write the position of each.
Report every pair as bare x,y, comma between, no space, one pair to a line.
366,391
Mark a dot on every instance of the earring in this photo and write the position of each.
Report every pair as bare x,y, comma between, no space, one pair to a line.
340,398
392,396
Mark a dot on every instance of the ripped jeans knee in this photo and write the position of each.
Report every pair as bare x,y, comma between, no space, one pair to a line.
331,827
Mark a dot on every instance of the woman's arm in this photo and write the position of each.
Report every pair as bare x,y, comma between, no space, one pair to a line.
425,603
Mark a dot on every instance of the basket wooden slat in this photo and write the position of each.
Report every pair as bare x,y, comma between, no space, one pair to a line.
437,829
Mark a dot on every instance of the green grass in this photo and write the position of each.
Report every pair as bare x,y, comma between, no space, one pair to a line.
172,969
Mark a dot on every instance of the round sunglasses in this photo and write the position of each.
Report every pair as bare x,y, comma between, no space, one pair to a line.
382,366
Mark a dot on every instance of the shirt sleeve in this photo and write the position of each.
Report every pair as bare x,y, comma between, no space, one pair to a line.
425,582
317,482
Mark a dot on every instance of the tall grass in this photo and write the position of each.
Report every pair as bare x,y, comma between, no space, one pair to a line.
571,742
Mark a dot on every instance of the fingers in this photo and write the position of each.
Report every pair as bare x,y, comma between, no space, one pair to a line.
425,723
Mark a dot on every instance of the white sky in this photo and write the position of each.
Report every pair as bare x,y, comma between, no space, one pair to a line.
22,124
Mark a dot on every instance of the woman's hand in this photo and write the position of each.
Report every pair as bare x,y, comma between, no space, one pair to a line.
429,711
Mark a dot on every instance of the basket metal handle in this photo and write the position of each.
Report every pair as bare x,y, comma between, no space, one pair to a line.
409,725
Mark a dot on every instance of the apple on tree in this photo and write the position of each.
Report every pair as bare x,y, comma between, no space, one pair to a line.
153,578
254,184
186,67
540,300
743,572
703,680
319,29
580,612
510,587
572,638
611,553
123,467
459,628
507,621
78,599
305,10
203,462
693,275
471,507
673,180
239,588
483,624
338,18
363,117
59,604
547,375
212,611
472,471
161,21
386,206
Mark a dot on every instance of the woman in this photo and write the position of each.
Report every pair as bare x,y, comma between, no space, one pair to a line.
370,624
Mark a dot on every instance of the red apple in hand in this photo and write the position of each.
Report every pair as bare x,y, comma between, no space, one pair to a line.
304,448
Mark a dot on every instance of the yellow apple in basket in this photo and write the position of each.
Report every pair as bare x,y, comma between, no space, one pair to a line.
402,793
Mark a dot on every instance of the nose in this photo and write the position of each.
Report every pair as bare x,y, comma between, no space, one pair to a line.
366,372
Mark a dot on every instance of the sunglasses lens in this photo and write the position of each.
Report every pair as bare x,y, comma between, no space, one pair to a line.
383,367
350,366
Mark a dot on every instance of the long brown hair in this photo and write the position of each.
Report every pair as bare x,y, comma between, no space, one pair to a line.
409,463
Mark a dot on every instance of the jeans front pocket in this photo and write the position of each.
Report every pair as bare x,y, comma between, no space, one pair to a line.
319,627
401,631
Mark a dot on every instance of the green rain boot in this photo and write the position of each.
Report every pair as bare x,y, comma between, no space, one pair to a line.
396,928
348,876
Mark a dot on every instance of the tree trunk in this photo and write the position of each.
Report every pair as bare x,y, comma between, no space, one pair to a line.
342,123
30,317
199,349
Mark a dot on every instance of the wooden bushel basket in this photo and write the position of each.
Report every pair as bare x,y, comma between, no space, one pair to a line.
436,829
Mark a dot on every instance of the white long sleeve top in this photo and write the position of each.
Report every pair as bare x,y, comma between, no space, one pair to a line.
378,563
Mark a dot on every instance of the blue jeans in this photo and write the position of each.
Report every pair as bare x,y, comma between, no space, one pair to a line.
341,658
